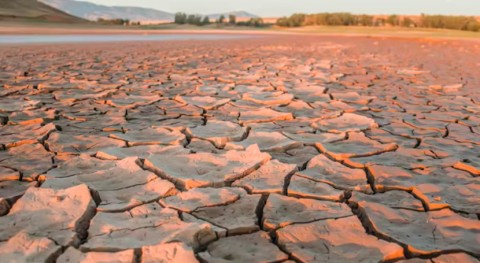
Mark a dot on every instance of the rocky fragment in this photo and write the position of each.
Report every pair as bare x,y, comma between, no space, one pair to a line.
218,132
219,231
204,102
266,141
456,257
435,231
24,247
123,174
461,197
394,199
74,255
322,169
357,145
12,190
238,217
280,211
332,240
48,213
168,253
130,101
268,98
144,225
120,200
13,136
197,145
269,178
82,164
75,143
263,115
151,136
256,247
7,174
306,188
348,122
31,160
143,152
314,138
196,198
402,157
121,186
206,169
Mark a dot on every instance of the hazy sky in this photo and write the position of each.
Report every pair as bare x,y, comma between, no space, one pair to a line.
286,7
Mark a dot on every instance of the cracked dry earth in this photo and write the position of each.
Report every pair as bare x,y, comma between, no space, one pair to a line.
271,149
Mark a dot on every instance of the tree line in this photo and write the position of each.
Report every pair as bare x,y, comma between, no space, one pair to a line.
183,18
117,21
466,23
199,20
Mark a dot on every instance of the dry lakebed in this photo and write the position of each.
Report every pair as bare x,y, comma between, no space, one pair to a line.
242,149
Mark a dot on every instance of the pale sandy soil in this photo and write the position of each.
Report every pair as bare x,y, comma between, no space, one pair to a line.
273,149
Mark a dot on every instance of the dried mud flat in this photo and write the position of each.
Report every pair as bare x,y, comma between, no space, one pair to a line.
272,149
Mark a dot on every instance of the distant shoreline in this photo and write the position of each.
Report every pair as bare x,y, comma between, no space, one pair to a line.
19,28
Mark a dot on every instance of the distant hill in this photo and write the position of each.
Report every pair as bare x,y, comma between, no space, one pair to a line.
238,14
93,11
33,9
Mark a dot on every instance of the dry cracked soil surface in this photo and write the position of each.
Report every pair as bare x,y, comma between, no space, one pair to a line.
270,149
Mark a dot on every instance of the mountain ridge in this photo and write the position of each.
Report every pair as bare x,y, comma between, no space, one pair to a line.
92,11
33,9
